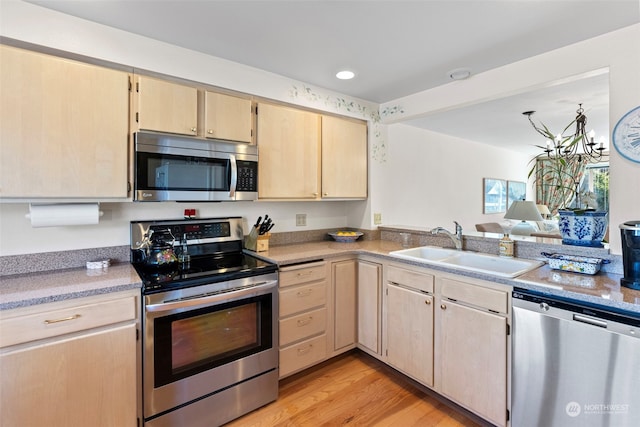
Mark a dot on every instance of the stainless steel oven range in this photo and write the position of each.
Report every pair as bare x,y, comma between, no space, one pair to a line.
210,333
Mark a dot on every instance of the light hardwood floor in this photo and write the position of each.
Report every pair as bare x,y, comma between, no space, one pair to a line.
353,389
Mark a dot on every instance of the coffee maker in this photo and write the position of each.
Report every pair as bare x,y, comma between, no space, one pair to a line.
630,232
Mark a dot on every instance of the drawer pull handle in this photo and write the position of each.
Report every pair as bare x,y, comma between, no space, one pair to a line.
304,293
305,322
428,302
442,306
303,351
64,319
307,273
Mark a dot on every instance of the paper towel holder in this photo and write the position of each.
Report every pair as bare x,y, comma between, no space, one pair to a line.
63,214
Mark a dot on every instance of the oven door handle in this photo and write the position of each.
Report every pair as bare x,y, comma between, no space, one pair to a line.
205,299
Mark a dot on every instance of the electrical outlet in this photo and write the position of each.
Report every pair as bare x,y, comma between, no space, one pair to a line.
377,218
301,220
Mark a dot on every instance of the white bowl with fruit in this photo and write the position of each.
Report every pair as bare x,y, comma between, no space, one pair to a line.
345,236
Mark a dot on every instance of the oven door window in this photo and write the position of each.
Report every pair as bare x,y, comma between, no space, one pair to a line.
195,341
169,172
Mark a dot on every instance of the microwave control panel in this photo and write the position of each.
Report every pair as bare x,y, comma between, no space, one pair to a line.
247,176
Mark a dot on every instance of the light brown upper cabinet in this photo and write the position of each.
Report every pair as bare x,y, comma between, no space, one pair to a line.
64,130
344,158
165,106
228,117
289,144
302,152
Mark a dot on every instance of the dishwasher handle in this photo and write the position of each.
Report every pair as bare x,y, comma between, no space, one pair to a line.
589,320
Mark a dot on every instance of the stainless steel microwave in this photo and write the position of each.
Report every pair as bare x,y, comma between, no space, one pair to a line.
182,169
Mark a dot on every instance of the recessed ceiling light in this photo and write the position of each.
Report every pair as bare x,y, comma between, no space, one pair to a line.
345,75
459,74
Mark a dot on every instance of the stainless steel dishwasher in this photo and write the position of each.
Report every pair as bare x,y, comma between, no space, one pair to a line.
573,365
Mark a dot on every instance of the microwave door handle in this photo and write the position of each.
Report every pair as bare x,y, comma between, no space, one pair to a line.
234,176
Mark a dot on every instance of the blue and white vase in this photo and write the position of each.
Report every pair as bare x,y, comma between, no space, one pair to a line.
583,228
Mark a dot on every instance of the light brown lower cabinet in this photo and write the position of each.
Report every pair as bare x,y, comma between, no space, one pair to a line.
409,323
344,276
302,316
370,306
471,348
76,367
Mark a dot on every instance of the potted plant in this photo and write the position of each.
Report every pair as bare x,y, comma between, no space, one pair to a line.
556,174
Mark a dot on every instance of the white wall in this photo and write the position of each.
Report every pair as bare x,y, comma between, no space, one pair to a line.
17,236
432,179
619,51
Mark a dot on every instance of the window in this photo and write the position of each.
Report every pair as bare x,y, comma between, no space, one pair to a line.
594,187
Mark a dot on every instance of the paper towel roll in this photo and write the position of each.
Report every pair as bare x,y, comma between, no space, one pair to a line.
64,214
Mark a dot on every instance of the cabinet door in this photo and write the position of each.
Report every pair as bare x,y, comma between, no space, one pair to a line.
369,307
227,117
344,158
472,359
410,333
64,128
345,274
289,143
165,106
87,380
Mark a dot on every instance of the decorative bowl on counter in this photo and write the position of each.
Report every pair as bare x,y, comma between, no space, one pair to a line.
345,236
575,264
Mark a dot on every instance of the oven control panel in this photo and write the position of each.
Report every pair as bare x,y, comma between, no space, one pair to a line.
195,230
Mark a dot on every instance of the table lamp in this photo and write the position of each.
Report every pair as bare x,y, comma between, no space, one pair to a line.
523,210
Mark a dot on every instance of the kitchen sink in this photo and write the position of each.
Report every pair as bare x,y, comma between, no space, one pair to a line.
468,261
427,253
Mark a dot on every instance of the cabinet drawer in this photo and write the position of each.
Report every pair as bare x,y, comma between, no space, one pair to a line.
302,298
297,275
412,279
303,354
490,299
302,326
16,330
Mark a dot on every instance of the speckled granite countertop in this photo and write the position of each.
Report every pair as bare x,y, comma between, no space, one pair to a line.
602,289
303,252
22,290
38,288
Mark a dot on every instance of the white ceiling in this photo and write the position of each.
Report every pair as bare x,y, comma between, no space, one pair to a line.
501,122
396,48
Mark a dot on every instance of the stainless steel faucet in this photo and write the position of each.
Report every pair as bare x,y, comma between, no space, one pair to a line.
457,237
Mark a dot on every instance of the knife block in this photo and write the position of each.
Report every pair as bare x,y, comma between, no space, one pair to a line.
250,241
262,243
257,242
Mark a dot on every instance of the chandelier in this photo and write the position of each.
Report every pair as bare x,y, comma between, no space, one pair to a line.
561,146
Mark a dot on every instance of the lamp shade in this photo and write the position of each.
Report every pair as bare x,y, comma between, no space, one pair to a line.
523,210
